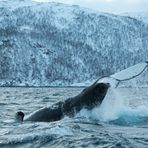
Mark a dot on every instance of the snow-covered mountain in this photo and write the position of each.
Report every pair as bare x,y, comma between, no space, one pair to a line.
44,44
142,16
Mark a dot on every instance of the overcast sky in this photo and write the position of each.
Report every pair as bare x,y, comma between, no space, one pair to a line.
113,6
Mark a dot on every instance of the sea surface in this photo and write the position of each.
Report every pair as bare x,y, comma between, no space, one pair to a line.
121,121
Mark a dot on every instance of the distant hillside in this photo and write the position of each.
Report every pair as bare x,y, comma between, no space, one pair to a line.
140,16
44,44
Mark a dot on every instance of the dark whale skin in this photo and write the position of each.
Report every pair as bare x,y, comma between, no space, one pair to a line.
88,98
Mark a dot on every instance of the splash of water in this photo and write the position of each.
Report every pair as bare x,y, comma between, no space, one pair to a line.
115,107
111,106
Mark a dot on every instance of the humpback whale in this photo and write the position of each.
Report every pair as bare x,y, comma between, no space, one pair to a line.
89,98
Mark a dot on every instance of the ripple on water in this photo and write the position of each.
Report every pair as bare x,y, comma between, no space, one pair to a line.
87,130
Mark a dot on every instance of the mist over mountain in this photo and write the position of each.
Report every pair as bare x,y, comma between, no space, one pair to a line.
46,44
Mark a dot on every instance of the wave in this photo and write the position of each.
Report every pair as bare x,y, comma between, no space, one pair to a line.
23,136
116,110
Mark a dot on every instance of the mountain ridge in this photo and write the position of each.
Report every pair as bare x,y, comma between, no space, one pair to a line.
39,46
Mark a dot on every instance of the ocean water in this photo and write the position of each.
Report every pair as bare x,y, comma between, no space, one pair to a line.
121,121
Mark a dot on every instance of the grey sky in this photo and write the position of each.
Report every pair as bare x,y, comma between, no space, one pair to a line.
112,6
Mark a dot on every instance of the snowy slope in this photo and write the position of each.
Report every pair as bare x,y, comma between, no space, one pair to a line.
142,16
44,44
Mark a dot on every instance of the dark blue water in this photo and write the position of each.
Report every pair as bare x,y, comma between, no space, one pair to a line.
121,121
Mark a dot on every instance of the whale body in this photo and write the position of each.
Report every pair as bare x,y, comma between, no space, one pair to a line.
88,98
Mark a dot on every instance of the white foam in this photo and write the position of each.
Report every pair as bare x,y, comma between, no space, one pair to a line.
115,106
